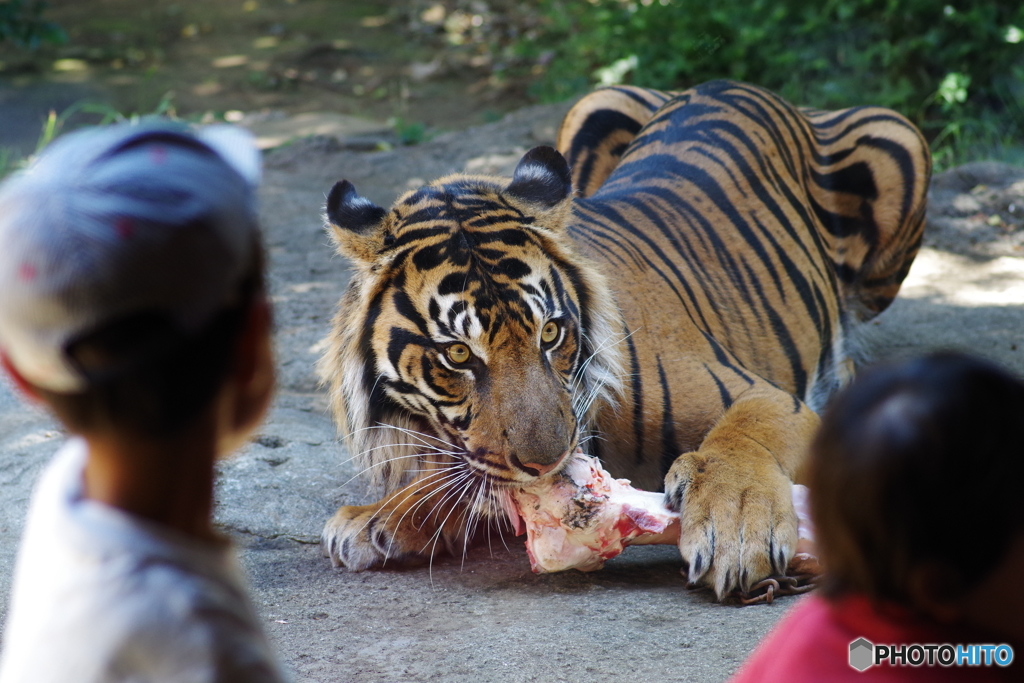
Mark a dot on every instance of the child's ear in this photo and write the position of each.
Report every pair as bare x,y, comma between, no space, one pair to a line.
23,385
357,224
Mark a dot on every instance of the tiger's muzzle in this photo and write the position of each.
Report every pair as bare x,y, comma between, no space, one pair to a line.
526,419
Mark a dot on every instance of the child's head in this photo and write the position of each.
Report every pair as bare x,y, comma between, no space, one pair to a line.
129,263
915,479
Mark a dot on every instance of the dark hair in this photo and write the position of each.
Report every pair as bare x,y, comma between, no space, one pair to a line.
914,463
148,378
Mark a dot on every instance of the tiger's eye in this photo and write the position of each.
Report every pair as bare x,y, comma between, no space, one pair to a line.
458,353
550,332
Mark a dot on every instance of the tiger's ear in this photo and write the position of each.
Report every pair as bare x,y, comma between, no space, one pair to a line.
356,222
541,178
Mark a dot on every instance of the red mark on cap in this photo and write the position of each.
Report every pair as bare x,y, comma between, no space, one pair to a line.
27,272
124,227
158,155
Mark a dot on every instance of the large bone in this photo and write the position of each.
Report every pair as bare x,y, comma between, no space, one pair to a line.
582,517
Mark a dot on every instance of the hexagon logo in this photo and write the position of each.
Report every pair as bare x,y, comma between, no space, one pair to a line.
862,654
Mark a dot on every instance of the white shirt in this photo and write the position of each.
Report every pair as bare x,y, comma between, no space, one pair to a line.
101,595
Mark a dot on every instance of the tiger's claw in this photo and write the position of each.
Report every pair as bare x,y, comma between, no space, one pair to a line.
409,527
736,529
352,539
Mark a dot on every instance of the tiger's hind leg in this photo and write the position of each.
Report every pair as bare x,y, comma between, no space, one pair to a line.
597,130
868,186
410,526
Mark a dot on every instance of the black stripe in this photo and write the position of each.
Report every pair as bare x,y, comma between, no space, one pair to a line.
608,243
455,283
595,129
905,162
511,237
399,339
606,210
784,337
810,295
838,117
723,392
492,218
724,358
563,298
670,449
366,343
633,95
426,214
404,307
427,368
636,381
824,142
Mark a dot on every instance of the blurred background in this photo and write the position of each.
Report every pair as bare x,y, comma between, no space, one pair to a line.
426,66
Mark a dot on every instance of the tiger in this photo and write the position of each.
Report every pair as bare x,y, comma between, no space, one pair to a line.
675,290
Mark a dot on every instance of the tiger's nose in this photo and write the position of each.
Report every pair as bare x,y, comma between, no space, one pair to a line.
540,469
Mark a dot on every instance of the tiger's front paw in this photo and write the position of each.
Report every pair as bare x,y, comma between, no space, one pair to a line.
737,522
363,537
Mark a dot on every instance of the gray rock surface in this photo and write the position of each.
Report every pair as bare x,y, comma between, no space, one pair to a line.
485,617
978,210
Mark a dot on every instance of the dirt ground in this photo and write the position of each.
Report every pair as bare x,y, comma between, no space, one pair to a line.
485,617
426,66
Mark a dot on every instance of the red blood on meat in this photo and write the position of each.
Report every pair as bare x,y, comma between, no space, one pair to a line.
625,526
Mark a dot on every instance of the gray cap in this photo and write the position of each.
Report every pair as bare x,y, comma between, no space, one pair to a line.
118,220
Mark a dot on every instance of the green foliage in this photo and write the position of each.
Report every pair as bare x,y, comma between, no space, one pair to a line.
956,69
7,161
409,132
21,22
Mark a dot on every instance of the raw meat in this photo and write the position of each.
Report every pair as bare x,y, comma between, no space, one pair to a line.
582,517
805,561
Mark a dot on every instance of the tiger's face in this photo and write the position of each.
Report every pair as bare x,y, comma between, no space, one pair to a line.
468,330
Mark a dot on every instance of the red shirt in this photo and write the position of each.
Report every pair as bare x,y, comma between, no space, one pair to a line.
812,644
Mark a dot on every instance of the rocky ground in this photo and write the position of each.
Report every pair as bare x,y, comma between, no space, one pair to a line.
486,617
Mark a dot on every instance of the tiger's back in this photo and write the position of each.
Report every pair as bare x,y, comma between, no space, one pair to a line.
744,239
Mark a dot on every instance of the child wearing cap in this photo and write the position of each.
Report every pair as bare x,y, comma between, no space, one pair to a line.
914,480
132,305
